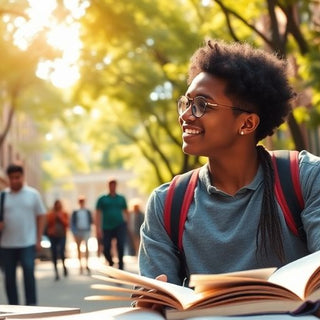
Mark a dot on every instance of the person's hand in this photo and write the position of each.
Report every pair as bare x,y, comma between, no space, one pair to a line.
38,245
152,306
99,234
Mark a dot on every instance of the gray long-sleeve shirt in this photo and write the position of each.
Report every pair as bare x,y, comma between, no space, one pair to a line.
220,230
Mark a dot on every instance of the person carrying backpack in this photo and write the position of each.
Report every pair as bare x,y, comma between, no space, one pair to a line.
237,96
81,222
57,226
23,217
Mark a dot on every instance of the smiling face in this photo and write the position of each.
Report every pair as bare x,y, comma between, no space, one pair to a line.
218,129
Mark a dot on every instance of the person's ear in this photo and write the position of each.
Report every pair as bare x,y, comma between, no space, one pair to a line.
249,124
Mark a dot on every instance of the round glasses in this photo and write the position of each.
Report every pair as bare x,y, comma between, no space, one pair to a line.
199,106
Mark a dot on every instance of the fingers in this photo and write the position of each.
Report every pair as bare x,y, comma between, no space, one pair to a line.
162,277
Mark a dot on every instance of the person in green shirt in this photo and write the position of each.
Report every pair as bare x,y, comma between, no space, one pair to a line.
111,222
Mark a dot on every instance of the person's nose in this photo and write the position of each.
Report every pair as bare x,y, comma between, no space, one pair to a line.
187,115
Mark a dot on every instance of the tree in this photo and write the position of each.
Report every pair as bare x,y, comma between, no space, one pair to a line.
134,63
25,93
135,59
137,66
21,89
283,20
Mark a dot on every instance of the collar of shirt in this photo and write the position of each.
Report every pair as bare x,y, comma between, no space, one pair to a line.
204,177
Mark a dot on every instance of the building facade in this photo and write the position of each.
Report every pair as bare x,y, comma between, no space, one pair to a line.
20,145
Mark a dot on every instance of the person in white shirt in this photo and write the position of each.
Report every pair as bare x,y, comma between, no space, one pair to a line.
24,216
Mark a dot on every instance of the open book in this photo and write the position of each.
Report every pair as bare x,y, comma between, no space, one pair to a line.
292,288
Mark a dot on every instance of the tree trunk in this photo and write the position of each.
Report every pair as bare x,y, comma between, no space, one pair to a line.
296,133
7,123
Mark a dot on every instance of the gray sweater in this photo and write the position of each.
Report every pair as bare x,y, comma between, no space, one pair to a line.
220,230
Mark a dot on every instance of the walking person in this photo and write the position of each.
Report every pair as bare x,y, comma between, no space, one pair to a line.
111,222
81,221
136,220
57,225
236,96
22,227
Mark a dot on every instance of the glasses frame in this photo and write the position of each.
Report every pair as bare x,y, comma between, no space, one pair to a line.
207,104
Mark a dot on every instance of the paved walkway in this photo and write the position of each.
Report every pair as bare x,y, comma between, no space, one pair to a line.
71,290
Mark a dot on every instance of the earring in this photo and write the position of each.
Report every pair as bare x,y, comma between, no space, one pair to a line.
241,133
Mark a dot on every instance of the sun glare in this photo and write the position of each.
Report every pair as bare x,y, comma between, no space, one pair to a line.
39,13
67,39
64,36
61,73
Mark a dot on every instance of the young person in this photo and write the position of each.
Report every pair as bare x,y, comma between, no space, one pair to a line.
81,221
111,222
57,226
236,97
136,217
22,228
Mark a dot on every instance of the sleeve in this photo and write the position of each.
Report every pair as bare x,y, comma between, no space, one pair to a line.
39,206
65,220
98,204
310,185
124,203
73,221
90,217
157,254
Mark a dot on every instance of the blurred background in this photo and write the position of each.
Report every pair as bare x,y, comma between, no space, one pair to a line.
88,88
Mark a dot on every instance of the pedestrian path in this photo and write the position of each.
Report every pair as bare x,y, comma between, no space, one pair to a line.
71,290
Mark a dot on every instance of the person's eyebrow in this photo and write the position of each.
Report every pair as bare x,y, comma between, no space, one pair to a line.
203,95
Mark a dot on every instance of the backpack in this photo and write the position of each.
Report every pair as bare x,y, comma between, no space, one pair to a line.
74,219
287,191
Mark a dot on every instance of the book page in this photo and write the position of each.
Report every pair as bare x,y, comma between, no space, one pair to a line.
132,294
300,277
201,282
244,308
109,314
295,275
182,295
263,274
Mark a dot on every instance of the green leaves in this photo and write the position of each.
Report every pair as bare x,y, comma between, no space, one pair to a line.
133,67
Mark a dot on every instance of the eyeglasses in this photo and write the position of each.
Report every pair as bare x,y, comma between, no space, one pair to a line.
199,106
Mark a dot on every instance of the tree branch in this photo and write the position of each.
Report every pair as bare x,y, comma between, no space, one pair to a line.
235,14
10,106
293,26
274,25
156,148
144,153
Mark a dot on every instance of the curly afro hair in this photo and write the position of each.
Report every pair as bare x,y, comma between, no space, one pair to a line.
256,80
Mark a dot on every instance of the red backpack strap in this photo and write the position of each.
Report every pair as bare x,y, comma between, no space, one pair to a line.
168,205
177,203
294,168
287,188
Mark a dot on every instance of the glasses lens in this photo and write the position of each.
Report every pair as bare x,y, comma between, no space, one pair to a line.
199,106
183,104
